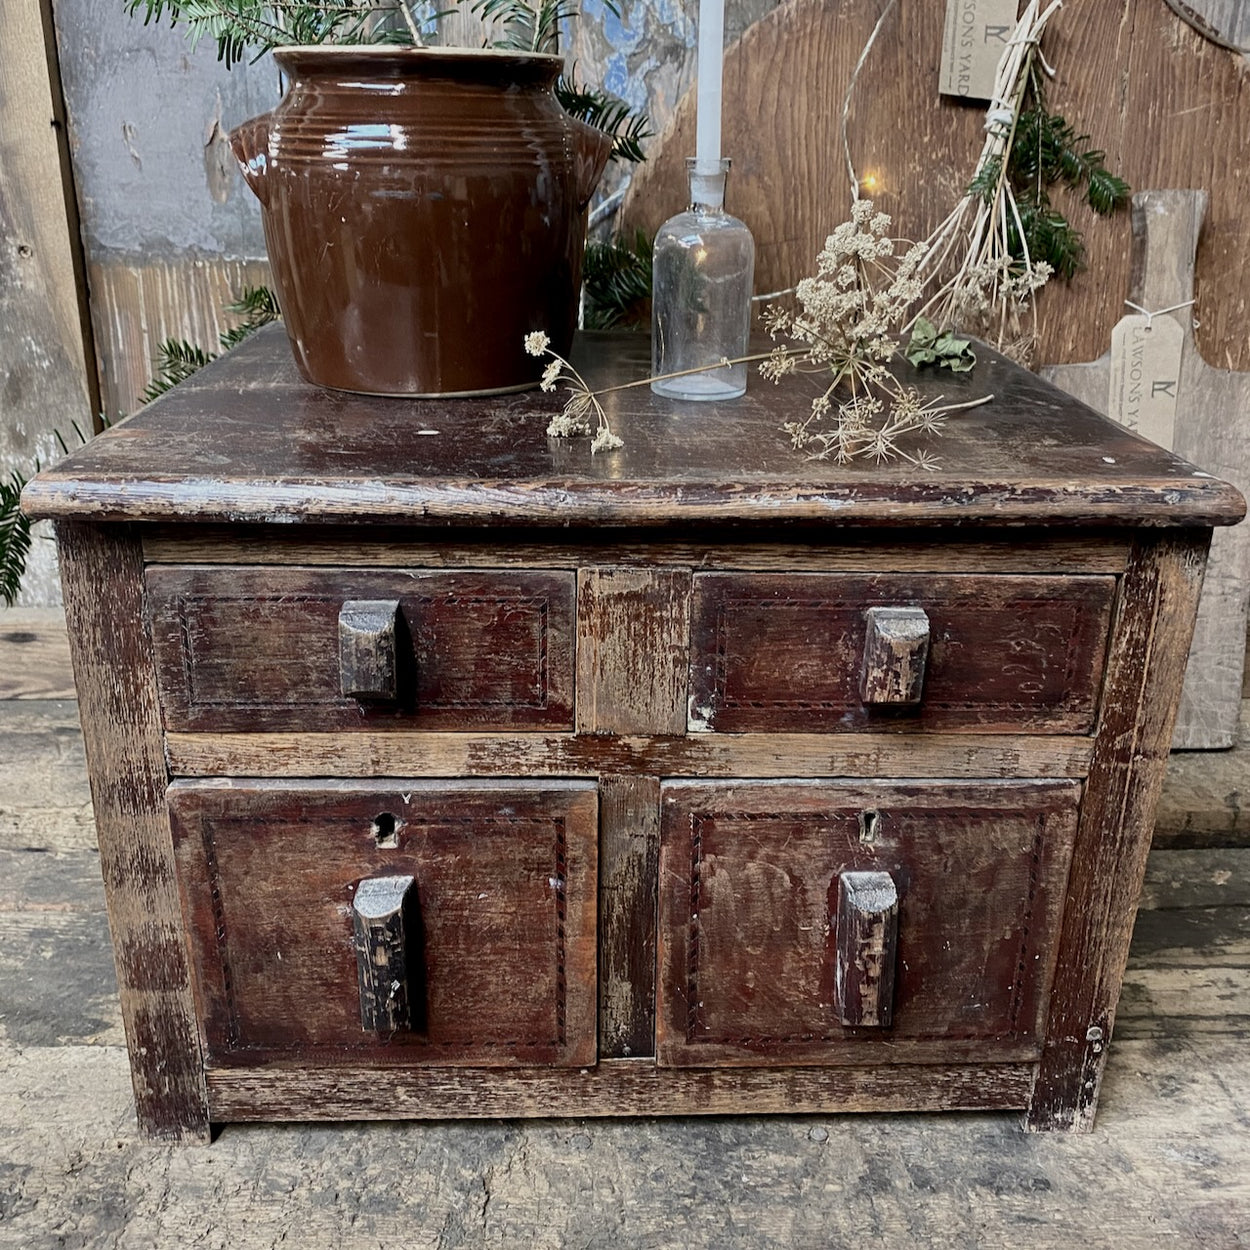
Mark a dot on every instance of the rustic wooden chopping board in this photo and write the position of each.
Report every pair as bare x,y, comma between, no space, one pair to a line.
1212,429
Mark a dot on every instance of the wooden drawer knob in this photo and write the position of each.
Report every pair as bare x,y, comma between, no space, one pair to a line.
367,653
387,934
866,941
896,648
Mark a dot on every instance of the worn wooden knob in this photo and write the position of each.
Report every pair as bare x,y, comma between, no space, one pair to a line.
385,924
896,649
867,942
368,667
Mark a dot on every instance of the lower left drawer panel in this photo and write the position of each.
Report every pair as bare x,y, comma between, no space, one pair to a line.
494,963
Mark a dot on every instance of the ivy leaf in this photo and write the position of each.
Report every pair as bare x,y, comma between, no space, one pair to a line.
943,350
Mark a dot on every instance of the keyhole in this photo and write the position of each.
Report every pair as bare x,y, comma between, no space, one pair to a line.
385,830
868,822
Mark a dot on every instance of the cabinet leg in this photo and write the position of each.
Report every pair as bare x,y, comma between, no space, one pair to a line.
1149,649
102,579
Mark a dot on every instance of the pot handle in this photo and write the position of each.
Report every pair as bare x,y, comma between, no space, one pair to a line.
593,148
250,144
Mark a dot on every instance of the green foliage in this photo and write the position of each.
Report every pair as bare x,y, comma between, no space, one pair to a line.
261,25
929,346
14,537
617,275
177,360
1045,150
605,112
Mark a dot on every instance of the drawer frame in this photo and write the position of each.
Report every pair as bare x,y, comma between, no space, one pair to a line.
178,1095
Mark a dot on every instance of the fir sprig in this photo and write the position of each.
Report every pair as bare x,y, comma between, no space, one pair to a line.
14,537
605,112
617,275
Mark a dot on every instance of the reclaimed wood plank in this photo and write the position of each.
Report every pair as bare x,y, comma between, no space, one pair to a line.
122,738
1149,647
34,654
210,452
629,845
633,639
614,1087
402,754
985,551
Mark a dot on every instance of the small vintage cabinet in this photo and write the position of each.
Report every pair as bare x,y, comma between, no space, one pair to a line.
441,769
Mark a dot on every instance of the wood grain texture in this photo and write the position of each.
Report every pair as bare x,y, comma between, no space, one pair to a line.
43,352
503,969
34,654
633,640
122,736
865,926
252,648
139,303
776,652
1130,73
981,551
1148,652
700,755
1212,427
629,852
614,1087
245,441
749,877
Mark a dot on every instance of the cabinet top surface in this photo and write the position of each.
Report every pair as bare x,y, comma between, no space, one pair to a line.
246,440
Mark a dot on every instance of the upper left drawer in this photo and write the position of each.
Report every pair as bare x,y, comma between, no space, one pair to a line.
272,649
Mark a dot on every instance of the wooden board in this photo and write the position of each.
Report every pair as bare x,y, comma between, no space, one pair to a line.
1146,88
1213,430
42,350
246,441
34,654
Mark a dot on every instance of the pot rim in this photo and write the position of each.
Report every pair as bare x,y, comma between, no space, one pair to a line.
405,51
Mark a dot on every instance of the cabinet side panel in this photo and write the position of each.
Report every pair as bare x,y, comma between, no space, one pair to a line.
1149,647
102,576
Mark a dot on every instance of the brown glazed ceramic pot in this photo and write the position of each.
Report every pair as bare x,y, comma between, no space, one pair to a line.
424,210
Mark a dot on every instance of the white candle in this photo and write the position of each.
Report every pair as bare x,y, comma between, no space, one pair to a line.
711,59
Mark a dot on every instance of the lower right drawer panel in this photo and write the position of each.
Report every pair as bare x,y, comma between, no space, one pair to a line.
752,876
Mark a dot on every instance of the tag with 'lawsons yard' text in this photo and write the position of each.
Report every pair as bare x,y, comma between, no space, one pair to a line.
974,41
1146,376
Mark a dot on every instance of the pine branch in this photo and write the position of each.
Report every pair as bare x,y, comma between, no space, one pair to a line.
605,112
617,276
14,537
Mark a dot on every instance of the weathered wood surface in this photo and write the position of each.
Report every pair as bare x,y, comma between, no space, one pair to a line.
255,649
1212,428
776,652
245,441
749,878
1169,108
896,651
629,853
711,755
866,939
633,650
506,877
985,550
1170,1157
386,928
43,370
1224,22
34,654
368,666
1148,653
45,804
122,737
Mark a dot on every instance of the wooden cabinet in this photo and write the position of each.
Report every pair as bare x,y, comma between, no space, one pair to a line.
470,775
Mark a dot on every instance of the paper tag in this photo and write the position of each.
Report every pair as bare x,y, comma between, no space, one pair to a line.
1146,376
976,35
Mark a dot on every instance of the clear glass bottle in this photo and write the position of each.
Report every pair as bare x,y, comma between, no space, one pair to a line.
702,274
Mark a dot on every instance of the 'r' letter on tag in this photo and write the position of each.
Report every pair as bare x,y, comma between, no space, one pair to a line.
1146,376
976,36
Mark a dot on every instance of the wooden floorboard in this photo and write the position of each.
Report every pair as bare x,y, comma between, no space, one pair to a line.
1167,1165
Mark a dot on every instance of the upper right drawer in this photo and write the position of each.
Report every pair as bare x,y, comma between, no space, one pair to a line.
832,652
